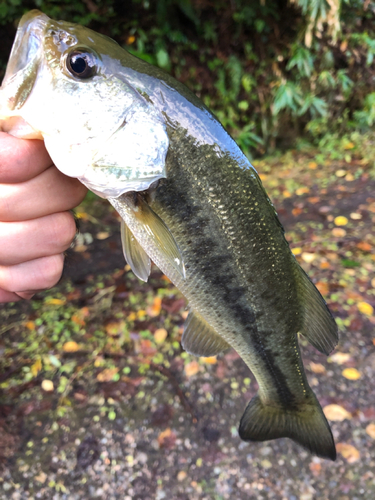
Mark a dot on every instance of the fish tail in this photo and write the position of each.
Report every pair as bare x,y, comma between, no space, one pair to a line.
306,425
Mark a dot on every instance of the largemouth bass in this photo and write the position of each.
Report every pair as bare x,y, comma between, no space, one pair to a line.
190,201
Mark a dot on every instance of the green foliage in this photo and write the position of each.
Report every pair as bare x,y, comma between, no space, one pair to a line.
263,67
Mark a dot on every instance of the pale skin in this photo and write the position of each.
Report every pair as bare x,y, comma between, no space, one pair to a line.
36,226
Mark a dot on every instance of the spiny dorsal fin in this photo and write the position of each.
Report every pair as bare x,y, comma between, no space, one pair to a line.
134,254
158,231
318,325
200,339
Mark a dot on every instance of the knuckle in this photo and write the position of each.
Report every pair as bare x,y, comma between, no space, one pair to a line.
52,271
63,230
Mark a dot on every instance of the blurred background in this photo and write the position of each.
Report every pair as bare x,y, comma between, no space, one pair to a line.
98,400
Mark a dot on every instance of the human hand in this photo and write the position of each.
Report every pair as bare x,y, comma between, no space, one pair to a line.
35,225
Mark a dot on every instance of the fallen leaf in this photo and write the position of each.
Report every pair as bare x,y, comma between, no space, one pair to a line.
302,190
296,251
365,308
313,165
70,346
336,413
364,246
107,374
308,257
47,385
103,235
339,358
370,429
340,220
338,232
36,367
155,309
114,327
41,477
211,360
315,468
181,475
323,287
349,452
317,368
55,302
167,439
340,173
351,374
191,368
30,325
160,335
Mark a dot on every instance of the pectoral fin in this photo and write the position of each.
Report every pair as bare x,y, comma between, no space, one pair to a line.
134,254
158,232
200,339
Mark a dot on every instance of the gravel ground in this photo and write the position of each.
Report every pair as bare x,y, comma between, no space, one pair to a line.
174,434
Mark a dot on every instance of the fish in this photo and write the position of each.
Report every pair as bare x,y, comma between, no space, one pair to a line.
190,201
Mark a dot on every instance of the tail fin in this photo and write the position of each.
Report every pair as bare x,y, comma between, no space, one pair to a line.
306,425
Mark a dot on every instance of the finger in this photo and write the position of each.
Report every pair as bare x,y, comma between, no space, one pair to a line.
36,238
21,159
6,296
39,274
49,192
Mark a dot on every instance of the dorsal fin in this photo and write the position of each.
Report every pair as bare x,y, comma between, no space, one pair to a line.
200,339
318,325
134,254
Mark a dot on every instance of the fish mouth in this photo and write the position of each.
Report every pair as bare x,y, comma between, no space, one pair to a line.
26,44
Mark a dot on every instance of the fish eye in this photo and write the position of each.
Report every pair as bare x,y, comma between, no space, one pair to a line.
81,63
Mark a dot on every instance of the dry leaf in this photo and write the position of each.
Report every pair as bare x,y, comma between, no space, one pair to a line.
103,235
308,257
211,360
315,468
313,165
323,287
36,367
155,309
55,302
302,190
30,325
370,429
181,475
107,374
351,373
340,220
339,358
338,232
336,413
317,368
160,335
114,327
365,308
191,368
47,385
349,452
296,251
167,439
70,346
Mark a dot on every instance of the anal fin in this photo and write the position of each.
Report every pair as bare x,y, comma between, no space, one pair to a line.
318,325
200,339
134,254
